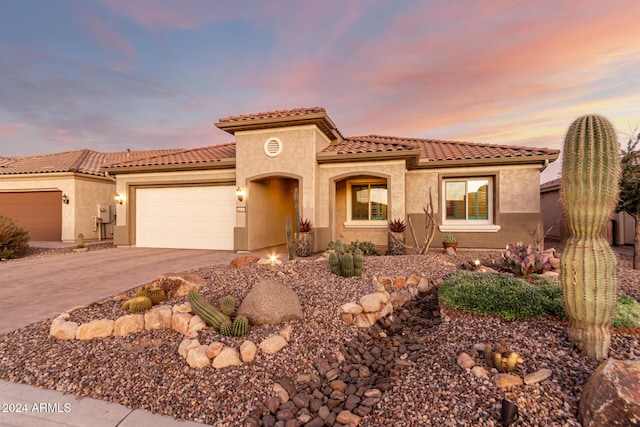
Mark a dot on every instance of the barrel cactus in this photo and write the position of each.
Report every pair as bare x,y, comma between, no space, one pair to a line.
154,293
240,325
228,305
137,304
589,192
226,328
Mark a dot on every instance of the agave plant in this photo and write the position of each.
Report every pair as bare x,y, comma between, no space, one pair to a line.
304,226
397,225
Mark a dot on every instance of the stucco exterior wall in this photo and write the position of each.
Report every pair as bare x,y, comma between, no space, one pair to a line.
332,193
272,202
90,194
127,184
516,203
84,193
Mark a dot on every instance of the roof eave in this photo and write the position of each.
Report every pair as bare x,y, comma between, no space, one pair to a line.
434,164
181,167
411,157
322,120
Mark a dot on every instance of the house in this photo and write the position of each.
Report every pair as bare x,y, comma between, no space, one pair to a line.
619,231
237,196
57,196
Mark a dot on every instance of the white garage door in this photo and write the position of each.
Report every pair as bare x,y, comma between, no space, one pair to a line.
185,217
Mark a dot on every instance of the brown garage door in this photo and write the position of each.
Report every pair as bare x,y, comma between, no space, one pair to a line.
40,212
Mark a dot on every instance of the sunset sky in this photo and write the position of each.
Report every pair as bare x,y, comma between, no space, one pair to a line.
115,74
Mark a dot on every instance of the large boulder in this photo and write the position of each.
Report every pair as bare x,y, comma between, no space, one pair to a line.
270,303
178,285
611,396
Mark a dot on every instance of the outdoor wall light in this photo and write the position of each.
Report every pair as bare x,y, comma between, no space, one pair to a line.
240,193
119,198
65,199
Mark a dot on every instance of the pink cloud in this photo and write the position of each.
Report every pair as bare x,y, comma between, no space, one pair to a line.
109,38
9,129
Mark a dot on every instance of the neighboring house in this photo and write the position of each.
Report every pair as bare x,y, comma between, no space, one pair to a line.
57,196
237,196
619,231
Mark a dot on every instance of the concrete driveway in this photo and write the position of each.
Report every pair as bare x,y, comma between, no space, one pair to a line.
36,289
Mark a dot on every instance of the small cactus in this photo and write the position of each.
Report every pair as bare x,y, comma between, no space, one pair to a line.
228,305
137,304
154,293
226,328
240,325
501,358
343,262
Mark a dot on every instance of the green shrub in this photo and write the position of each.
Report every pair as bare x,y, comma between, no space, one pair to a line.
496,294
512,298
14,241
628,313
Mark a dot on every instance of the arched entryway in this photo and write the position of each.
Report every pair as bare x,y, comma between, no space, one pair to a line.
270,200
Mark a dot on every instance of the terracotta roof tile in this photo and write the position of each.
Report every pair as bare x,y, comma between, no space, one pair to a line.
550,185
274,114
211,154
437,150
80,161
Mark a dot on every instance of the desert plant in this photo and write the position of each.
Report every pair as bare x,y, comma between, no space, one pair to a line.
499,356
589,192
208,313
14,240
524,260
228,305
154,293
628,313
137,304
397,225
240,325
366,247
304,226
80,241
343,262
226,328
449,238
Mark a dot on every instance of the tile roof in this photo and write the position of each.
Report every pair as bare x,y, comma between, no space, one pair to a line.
79,161
211,154
550,185
438,150
274,114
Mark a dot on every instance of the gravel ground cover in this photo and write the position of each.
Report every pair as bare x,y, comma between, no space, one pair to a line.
145,371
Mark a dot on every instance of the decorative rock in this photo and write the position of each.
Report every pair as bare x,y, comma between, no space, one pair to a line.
63,330
158,317
197,357
214,349
351,308
413,280
178,285
182,308
180,322
386,310
398,299
479,347
196,324
281,393
183,347
373,393
538,376
611,396
286,332
227,357
270,303
383,283
506,380
480,372
399,282
450,251
361,321
273,344
95,329
485,269
129,324
370,303
348,418
347,318
248,351
243,261
425,285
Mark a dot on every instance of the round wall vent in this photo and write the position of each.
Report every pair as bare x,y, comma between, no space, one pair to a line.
272,147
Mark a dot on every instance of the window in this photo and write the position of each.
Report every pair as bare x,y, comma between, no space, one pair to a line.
366,201
468,204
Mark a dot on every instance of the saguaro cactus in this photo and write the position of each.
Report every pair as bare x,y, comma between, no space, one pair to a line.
589,192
